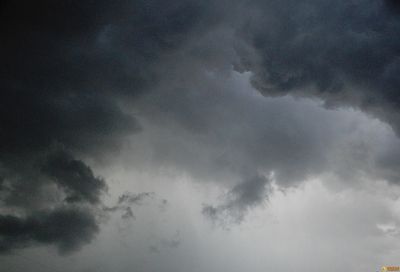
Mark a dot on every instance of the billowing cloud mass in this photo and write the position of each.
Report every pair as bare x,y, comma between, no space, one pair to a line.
345,52
68,229
50,203
65,68
250,98
75,177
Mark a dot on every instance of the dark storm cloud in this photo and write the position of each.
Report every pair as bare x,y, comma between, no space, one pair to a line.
31,185
32,192
344,52
239,200
73,70
75,177
66,68
65,228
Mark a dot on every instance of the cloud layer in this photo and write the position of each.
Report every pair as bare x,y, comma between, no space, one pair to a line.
65,68
165,85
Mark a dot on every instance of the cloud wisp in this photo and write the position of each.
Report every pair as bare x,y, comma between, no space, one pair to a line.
239,200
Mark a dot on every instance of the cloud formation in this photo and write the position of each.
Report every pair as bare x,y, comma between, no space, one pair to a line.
346,53
66,68
52,203
79,78
65,228
128,200
240,200
75,177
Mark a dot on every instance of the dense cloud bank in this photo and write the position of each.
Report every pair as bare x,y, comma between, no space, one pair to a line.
65,67
49,202
346,52
78,78
66,228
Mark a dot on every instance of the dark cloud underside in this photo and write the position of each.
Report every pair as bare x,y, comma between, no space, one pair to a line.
66,66
344,52
65,228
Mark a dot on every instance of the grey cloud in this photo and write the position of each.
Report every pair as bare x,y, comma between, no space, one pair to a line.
76,177
343,54
48,178
137,199
66,68
30,200
74,72
128,213
66,228
127,200
346,52
239,200
154,249
172,243
241,133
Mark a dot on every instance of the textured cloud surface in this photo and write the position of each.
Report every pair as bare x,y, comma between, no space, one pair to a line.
108,105
344,52
66,228
65,68
243,196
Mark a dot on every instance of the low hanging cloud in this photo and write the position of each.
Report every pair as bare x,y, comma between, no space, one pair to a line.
66,228
66,68
59,211
239,200
75,177
341,55
343,52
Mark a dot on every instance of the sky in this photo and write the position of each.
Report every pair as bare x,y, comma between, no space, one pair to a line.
199,136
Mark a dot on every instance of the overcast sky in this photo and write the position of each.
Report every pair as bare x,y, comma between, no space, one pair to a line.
199,136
